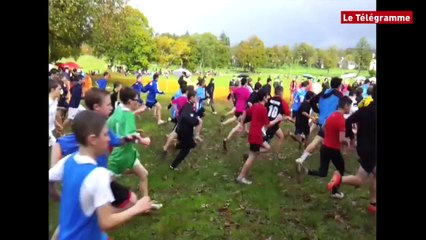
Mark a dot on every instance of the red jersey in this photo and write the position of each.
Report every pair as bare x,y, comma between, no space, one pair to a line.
259,119
334,124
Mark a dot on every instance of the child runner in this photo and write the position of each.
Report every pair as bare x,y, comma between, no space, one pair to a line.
114,96
185,130
276,106
242,95
54,93
102,83
177,104
334,141
85,209
123,123
210,91
366,142
138,87
259,120
302,121
74,105
298,97
151,99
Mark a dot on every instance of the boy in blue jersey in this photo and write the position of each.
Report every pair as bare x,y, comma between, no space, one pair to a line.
138,86
85,209
298,98
324,104
102,83
151,99
202,96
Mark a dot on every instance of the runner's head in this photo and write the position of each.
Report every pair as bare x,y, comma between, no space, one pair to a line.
129,97
98,100
191,96
345,104
309,95
91,131
278,91
335,82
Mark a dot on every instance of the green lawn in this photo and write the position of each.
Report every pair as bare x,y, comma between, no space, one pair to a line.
202,201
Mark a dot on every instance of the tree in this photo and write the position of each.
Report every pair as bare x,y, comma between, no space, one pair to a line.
137,47
363,54
331,57
165,54
225,39
305,54
251,53
181,52
71,23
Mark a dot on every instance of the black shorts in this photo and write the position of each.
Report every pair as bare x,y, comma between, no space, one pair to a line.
151,104
335,156
174,120
247,120
302,129
270,132
238,114
255,147
320,132
121,194
293,113
200,112
367,159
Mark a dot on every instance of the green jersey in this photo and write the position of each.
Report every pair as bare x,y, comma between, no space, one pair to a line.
122,123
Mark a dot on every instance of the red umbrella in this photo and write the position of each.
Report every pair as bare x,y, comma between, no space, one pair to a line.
69,65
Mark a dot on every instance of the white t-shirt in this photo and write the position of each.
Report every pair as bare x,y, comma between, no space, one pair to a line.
53,106
95,190
316,88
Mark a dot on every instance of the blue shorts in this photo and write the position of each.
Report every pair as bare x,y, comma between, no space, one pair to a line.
151,104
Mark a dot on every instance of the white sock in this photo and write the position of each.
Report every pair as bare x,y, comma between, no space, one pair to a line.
304,156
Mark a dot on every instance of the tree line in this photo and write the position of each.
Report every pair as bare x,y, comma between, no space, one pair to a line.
120,33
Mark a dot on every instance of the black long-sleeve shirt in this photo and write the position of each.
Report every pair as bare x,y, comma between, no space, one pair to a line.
187,121
366,119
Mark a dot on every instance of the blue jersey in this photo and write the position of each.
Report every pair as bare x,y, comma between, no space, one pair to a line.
102,83
328,103
75,225
138,88
152,89
200,93
298,98
69,145
76,94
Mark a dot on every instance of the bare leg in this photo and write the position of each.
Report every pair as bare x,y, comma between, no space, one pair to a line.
232,119
265,147
198,129
310,149
278,143
157,112
373,189
247,165
230,112
170,139
232,132
55,234
142,173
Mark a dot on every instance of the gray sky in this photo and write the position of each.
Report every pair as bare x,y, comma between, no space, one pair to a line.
276,22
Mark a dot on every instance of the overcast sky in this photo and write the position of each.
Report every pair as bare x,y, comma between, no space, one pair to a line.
276,22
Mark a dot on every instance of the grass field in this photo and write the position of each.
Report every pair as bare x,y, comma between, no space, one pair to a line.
202,201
